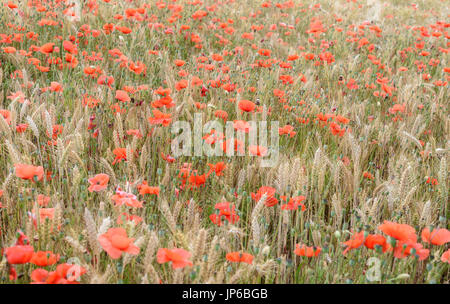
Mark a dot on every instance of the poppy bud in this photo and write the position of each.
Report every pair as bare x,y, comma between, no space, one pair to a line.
266,250
403,276
337,234
392,242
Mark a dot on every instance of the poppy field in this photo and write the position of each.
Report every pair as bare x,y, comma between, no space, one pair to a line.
93,188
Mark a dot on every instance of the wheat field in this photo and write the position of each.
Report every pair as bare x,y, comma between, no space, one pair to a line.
92,190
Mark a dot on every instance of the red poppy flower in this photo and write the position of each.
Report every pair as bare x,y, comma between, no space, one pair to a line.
227,211
438,236
44,258
179,257
445,258
28,172
303,250
144,188
115,241
269,192
355,242
20,254
246,105
401,232
98,182
239,257
376,239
